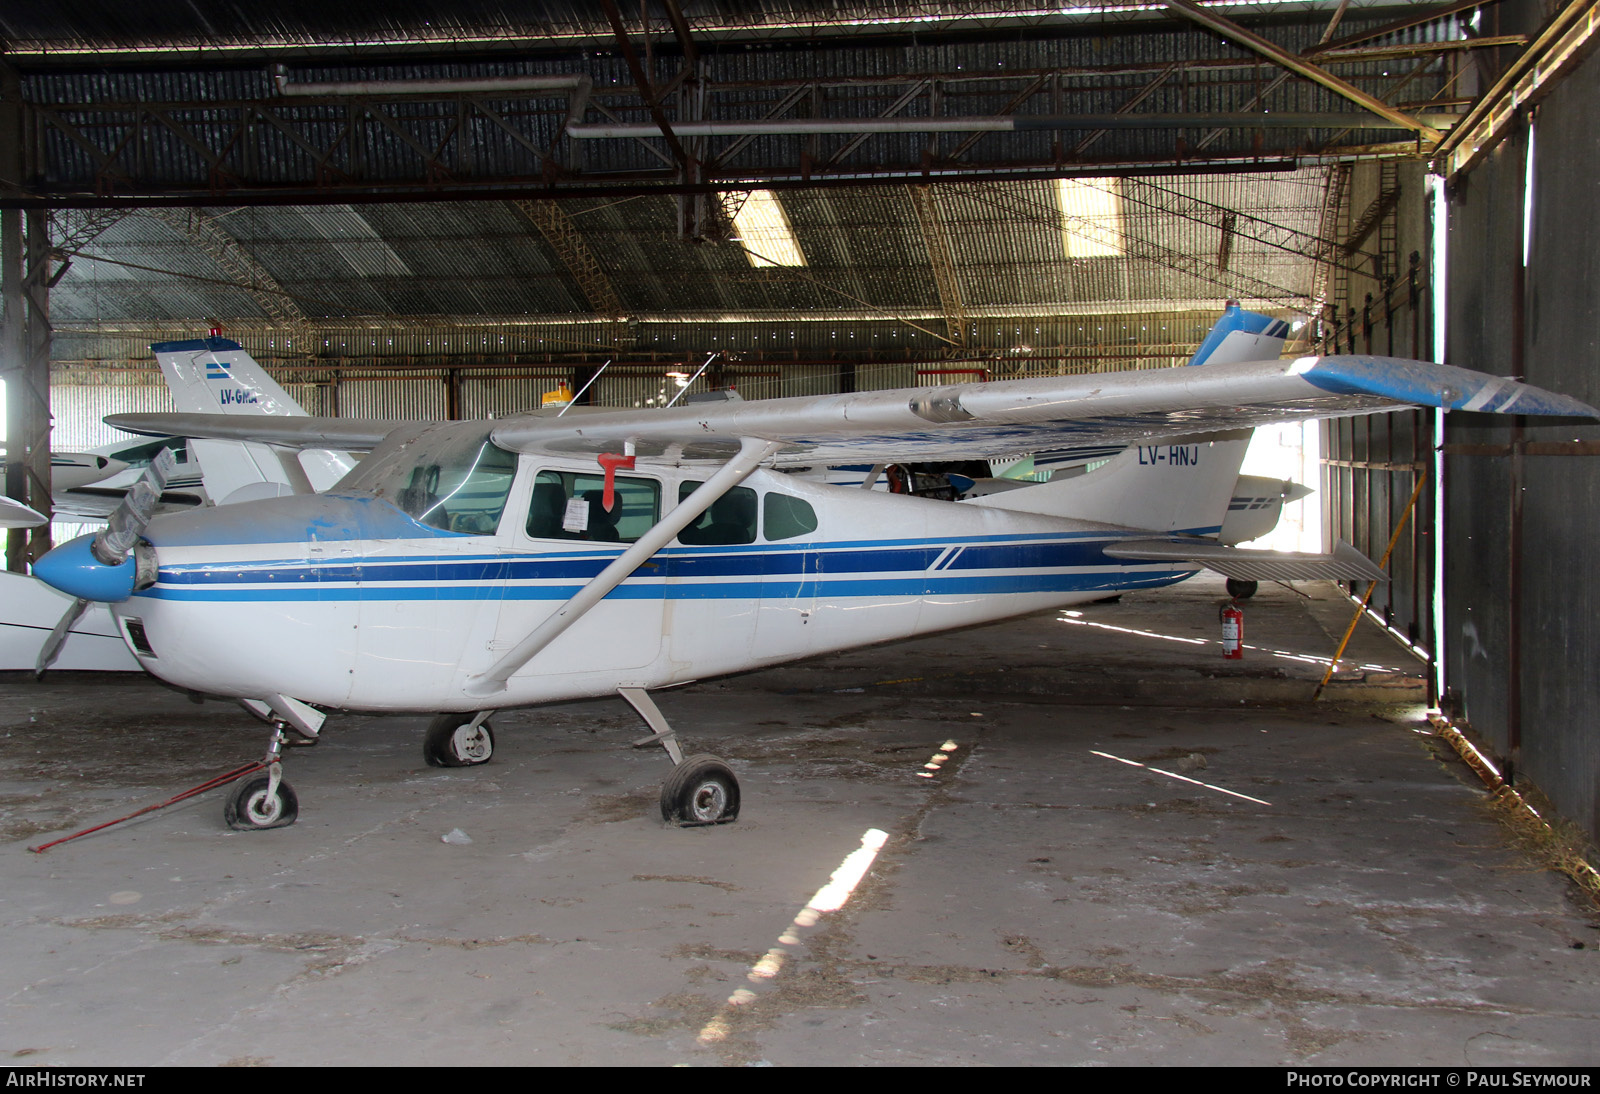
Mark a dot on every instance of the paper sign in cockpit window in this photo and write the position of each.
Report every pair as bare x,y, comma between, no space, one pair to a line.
576,517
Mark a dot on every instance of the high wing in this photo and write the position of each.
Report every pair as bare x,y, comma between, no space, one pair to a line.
963,421
971,421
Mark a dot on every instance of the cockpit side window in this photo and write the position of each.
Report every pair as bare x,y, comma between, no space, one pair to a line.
571,505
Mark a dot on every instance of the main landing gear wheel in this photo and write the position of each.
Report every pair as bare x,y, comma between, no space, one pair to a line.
250,808
453,741
701,790
1241,590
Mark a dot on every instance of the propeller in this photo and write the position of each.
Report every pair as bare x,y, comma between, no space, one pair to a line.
100,570
58,637
116,541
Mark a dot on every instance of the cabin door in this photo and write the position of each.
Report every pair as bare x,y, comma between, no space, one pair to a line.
565,540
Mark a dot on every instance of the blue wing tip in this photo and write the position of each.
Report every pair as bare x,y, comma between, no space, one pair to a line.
1426,383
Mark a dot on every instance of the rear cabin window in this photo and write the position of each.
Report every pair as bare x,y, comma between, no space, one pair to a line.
571,505
785,517
731,519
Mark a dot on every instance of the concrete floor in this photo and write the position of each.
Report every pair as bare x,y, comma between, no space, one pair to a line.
1035,901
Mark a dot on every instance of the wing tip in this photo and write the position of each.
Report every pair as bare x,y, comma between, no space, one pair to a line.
1428,383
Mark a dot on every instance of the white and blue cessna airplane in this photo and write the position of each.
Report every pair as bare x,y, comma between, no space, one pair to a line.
466,567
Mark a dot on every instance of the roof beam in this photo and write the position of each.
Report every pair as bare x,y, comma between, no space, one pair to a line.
580,261
355,142
203,229
1163,199
937,240
642,79
1416,18
1300,66
1138,97
1136,246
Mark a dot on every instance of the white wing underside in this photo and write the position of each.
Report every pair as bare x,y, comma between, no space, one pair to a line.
965,421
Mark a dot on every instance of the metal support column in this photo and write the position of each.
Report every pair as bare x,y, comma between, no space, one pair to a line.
25,364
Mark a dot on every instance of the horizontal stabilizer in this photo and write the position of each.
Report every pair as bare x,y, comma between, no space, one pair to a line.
1345,564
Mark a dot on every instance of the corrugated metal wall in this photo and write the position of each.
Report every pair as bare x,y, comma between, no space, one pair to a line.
1371,465
1522,637
76,409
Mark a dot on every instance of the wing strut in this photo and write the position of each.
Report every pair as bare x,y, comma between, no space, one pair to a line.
732,473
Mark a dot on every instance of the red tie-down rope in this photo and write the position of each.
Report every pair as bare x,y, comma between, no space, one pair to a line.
209,784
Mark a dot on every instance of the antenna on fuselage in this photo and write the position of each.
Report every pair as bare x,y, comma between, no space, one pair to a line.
585,387
691,379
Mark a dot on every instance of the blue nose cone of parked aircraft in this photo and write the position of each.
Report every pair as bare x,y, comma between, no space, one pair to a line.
74,570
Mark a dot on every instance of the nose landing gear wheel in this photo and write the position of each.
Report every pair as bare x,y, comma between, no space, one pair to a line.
701,790
250,808
453,741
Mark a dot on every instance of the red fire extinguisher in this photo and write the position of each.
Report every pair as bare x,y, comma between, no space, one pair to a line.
1232,631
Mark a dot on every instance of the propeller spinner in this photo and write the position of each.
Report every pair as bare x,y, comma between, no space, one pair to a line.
108,566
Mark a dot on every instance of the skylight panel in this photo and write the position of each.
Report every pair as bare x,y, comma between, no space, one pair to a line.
764,230
1091,217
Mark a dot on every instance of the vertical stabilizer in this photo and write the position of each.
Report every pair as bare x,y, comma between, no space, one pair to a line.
1242,336
1179,484
216,376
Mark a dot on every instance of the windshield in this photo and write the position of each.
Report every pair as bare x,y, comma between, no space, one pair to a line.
450,478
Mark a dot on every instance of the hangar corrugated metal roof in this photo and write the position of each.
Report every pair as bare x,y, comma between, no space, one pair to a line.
487,266
865,254
386,22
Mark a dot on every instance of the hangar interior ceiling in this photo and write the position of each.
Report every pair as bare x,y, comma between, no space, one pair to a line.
367,189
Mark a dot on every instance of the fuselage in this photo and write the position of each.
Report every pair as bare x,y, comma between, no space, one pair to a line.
390,594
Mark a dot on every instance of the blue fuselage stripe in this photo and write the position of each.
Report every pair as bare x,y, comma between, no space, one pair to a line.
749,564
990,584
817,570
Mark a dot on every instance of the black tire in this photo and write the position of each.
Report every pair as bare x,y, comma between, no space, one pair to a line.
249,809
448,742
1241,590
702,790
